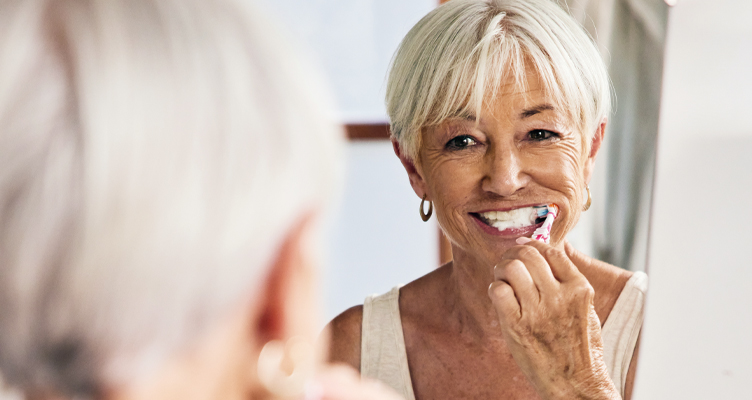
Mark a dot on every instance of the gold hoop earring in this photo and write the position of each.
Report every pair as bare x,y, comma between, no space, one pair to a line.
589,199
426,216
275,355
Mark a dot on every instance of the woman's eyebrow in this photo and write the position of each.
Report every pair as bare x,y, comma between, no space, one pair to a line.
529,112
464,116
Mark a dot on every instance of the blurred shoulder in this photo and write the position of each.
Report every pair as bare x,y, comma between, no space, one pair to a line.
345,335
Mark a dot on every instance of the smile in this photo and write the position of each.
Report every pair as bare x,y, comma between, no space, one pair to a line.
513,219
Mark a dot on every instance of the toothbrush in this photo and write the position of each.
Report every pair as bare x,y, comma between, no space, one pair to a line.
543,234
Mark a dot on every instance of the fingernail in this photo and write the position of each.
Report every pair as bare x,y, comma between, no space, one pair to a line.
523,240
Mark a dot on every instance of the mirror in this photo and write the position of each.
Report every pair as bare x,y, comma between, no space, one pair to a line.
379,240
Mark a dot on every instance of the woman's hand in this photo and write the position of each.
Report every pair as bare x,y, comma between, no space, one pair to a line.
341,382
545,307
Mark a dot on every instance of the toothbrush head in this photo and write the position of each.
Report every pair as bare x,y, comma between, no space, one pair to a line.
541,211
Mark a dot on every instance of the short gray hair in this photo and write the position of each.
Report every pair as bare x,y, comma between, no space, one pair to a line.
153,155
454,59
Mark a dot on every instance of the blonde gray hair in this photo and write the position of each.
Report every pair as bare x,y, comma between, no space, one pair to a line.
454,59
153,155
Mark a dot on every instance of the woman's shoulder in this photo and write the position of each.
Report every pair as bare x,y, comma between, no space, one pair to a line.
607,280
608,283
344,333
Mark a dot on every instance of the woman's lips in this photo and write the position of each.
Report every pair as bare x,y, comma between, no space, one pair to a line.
509,232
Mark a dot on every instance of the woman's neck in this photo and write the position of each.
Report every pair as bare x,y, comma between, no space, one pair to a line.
469,303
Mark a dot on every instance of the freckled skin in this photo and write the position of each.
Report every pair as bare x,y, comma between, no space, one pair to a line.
460,344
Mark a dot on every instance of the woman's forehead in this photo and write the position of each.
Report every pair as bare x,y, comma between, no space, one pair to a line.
521,91
521,101
522,82
514,111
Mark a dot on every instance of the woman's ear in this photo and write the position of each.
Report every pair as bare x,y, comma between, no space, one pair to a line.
413,171
287,305
288,300
223,362
595,146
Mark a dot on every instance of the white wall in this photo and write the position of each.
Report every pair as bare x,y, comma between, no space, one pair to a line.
696,339
378,238
353,41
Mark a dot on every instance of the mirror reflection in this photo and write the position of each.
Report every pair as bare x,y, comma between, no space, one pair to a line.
490,242
498,129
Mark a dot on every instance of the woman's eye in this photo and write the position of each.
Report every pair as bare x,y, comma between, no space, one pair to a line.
461,142
540,134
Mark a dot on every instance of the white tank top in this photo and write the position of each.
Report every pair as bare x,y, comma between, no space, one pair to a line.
383,355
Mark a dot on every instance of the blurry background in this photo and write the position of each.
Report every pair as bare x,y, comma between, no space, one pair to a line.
379,238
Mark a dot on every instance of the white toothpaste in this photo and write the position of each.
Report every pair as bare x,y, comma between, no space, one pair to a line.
517,218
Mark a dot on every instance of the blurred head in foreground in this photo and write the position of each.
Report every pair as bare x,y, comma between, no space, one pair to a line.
161,170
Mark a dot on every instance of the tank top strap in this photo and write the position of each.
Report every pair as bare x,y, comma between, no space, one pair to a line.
382,353
622,328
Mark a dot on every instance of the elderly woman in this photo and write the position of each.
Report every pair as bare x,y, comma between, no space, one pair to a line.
498,109
162,167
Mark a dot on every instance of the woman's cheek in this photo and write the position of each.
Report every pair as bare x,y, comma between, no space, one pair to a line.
563,174
452,225
449,210
451,183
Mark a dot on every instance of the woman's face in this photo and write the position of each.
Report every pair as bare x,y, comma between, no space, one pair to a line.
521,153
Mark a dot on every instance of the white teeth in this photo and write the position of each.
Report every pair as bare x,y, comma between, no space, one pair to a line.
516,218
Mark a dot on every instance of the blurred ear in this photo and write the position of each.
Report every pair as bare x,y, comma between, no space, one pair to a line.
223,362
416,178
595,146
288,303
285,306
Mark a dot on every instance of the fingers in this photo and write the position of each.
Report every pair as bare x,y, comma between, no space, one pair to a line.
504,300
526,274
536,265
515,273
558,261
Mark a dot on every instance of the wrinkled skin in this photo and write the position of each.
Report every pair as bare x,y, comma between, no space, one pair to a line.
501,166
522,152
544,302
536,331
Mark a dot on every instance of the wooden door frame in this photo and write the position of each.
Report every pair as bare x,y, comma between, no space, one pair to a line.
360,132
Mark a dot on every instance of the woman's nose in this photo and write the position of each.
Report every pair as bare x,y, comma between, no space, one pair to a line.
505,172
